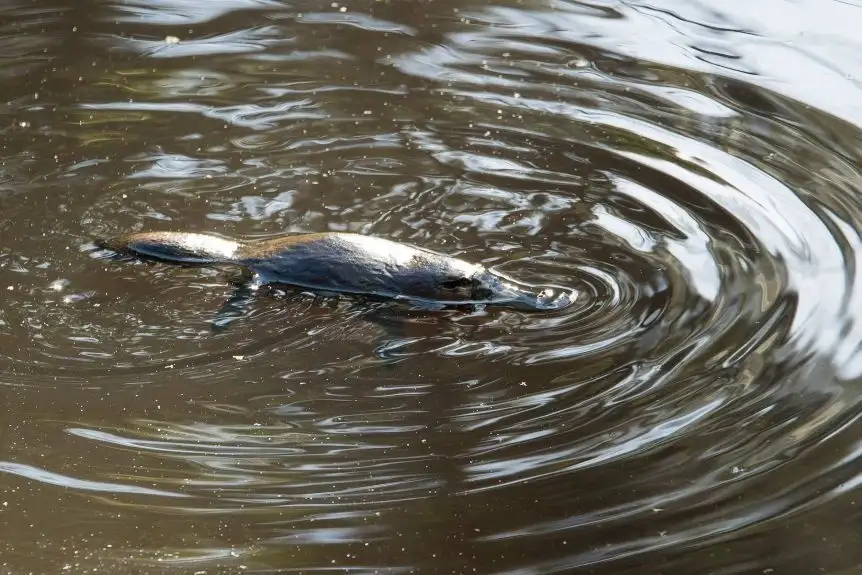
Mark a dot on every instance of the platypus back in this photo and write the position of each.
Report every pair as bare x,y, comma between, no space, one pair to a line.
334,261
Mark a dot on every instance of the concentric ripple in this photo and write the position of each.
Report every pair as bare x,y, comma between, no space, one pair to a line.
695,411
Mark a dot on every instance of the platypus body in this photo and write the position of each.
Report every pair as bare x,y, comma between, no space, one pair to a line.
348,263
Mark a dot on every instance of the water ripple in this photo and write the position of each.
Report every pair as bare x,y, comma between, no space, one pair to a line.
700,395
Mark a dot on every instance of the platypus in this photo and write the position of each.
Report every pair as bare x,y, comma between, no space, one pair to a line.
348,263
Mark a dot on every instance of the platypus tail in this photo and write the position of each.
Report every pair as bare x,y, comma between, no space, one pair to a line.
179,247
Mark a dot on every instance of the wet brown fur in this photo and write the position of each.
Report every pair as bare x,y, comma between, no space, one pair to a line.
262,249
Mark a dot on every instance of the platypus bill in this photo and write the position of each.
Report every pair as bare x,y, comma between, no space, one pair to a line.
348,263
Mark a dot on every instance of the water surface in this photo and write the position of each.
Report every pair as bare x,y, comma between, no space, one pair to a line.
692,171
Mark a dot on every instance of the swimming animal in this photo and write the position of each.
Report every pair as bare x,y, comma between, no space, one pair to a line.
348,263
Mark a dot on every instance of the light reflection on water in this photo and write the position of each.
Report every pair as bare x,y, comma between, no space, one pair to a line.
691,171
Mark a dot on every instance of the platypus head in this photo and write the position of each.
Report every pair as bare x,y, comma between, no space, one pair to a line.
491,288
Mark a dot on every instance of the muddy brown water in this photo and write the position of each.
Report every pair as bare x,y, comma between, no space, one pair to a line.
693,171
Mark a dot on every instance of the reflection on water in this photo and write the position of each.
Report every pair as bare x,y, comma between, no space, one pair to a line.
689,170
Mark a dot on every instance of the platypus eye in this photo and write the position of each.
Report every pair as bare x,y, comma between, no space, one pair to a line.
455,283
